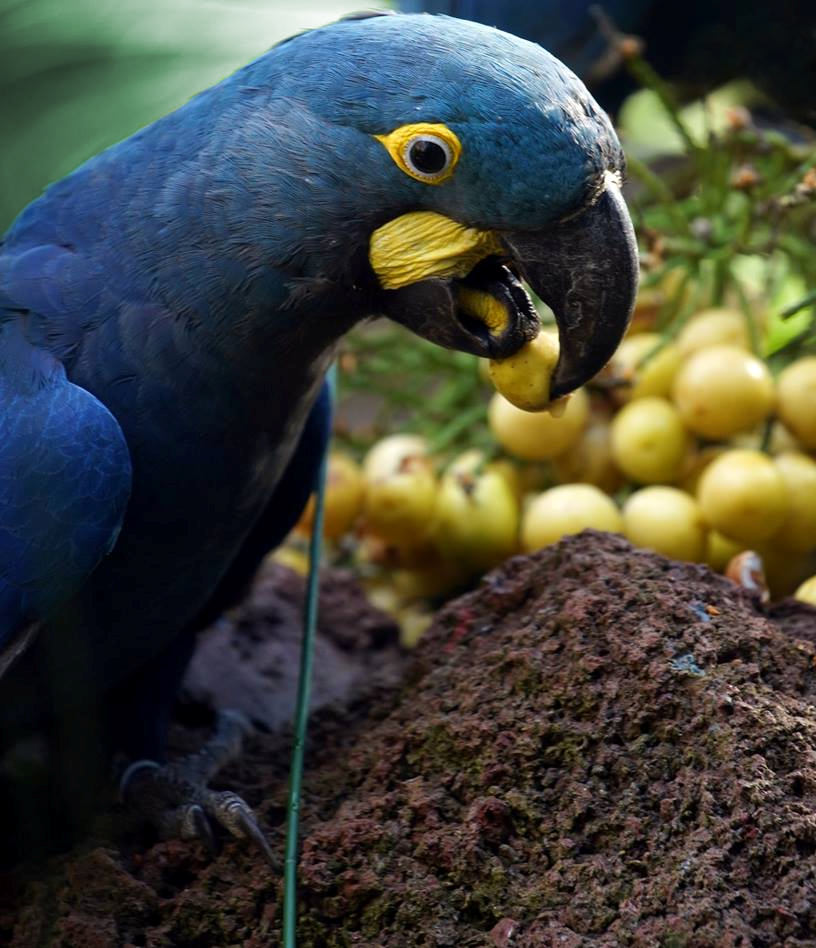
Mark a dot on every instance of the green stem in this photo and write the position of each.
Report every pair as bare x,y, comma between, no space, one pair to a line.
803,303
767,431
649,79
302,707
454,428
750,322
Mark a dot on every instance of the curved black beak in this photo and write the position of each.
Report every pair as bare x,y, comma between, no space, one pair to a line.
586,270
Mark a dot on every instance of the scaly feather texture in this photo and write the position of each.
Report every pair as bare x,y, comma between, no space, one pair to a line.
64,483
180,297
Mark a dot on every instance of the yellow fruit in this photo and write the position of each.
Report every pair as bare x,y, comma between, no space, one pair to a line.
510,472
723,390
524,378
296,560
780,440
797,400
343,500
666,520
798,531
383,596
720,550
647,364
400,490
589,460
807,591
713,327
784,571
696,461
649,442
413,625
389,454
432,579
647,308
475,520
567,509
743,495
537,436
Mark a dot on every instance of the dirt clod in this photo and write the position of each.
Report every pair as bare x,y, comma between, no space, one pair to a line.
596,747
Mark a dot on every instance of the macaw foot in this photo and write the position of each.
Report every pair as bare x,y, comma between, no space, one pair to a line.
175,797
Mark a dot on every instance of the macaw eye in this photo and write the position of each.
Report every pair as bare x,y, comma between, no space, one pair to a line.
428,155
425,151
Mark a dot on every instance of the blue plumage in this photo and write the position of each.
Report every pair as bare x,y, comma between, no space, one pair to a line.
192,282
64,483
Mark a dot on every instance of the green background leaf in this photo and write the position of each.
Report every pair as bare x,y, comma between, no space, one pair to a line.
79,75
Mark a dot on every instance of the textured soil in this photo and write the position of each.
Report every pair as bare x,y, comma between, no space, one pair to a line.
250,660
596,747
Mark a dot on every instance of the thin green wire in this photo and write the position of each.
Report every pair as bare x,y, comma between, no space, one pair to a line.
302,705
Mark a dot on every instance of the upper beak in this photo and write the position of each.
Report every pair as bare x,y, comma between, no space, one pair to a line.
459,287
586,270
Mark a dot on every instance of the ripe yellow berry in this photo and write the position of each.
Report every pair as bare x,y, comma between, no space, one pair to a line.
720,550
798,531
649,442
666,520
713,327
743,495
647,364
723,390
567,509
807,592
343,501
537,436
797,400
476,517
400,490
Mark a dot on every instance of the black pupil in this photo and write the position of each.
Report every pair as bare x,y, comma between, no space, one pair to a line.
428,157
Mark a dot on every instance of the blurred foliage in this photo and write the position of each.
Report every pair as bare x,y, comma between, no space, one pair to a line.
405,381
79,75
727,213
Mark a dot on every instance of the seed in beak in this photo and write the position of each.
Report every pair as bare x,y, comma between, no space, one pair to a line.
524,378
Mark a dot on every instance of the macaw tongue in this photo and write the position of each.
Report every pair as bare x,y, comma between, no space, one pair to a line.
493,295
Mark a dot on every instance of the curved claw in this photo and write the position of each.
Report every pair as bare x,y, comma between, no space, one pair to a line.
193,824
175,797
236,816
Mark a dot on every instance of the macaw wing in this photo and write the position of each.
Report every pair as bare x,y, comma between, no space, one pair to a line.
65,476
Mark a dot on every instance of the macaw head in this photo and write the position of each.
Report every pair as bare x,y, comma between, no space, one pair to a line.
439,164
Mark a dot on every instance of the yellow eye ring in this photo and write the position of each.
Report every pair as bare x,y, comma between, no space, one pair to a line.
426,151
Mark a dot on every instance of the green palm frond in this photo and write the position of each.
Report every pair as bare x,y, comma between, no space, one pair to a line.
79,75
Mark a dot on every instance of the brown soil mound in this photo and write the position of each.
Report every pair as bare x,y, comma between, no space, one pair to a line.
596,747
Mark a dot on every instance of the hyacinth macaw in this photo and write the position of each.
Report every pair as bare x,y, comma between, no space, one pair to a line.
698,44
169,310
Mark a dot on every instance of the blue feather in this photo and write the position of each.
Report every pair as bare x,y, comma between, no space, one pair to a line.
64,484
168,313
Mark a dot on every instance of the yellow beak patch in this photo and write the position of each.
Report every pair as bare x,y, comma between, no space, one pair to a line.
423,244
